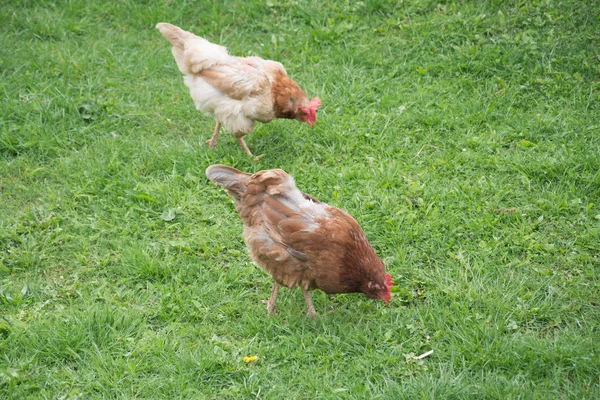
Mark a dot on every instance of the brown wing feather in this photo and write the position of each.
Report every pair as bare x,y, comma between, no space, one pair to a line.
237,81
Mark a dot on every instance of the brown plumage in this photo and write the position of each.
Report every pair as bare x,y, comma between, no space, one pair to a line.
301,241
237,90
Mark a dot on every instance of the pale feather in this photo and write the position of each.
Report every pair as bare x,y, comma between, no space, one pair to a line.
234,89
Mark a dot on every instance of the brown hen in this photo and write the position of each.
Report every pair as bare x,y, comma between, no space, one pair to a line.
301,241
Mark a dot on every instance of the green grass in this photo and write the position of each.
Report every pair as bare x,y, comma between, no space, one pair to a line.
463,136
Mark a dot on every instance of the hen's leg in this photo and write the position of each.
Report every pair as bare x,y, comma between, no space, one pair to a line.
309,305
273,299
247,150
213,140
244,146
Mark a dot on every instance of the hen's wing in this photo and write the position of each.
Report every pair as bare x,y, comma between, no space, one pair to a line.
291,218
243,76
237,80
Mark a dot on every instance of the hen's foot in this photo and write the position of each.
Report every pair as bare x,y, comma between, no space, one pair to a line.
242,143
310,312
212,142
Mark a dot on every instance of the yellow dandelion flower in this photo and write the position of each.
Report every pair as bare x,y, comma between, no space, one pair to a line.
250,359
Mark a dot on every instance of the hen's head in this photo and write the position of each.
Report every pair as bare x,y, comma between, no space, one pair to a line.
308,111
290,101
380,291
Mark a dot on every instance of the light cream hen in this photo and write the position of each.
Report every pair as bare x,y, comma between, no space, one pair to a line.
237,90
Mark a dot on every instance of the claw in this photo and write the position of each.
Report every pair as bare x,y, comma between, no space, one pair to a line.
212,142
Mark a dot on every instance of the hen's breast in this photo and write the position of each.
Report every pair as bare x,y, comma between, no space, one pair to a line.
206,97
259,108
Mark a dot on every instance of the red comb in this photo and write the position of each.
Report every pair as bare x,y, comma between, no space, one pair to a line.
388,285
388,280
312,110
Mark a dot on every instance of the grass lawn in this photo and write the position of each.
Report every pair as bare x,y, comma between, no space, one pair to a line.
464,136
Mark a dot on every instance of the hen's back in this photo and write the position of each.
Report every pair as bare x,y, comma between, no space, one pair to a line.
274,192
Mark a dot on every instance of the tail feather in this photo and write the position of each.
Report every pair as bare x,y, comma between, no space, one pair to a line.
228,177
174,34
222,175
